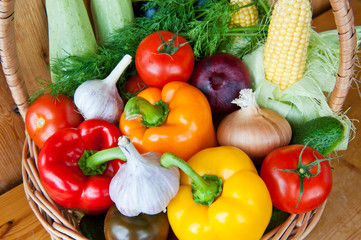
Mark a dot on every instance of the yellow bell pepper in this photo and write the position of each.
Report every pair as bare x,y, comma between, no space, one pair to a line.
229,201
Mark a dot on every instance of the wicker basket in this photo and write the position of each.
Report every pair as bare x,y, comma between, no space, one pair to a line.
61,223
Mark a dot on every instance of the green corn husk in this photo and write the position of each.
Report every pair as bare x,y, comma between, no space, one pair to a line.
307,98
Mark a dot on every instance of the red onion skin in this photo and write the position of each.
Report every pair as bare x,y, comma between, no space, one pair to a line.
220,77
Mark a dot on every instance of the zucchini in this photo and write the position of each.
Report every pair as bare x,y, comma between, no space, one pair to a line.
110,15
322,134
69,28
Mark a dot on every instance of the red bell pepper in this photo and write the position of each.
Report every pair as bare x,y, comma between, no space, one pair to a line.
63,178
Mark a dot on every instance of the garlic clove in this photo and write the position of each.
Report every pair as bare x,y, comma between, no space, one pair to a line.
96,100
100,98
142,185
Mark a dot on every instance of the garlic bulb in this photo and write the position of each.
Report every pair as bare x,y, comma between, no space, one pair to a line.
100,98
255,130
142,185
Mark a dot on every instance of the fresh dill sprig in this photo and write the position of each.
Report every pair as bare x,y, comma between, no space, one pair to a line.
207,28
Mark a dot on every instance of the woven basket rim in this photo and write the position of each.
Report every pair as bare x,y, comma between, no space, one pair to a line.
59,222
51,215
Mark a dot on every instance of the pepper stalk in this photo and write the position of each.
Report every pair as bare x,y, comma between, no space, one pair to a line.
204,188
152,115
94,162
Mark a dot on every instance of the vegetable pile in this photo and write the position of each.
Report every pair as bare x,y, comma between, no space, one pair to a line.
184,116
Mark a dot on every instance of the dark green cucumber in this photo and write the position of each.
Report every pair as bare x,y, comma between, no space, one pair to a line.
322,134
278,217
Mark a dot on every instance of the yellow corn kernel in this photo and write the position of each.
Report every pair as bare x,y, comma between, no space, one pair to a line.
246,16
287,42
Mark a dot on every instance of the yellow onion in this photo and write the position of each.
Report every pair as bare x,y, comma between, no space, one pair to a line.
255,130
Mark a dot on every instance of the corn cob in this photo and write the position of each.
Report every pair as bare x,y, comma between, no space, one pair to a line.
246,16
287,42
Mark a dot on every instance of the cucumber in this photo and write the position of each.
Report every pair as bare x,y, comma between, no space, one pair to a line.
110,15
278,217
322,134
69,28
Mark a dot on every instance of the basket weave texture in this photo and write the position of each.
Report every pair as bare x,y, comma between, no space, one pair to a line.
61,223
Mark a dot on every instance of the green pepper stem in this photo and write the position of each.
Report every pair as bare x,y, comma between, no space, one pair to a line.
93,162
170,159
104,156
204,189
152,114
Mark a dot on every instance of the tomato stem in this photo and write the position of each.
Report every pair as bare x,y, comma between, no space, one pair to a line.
204,189
170,47
152,115
303,171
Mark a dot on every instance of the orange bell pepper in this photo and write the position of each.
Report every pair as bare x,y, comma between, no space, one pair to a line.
174,119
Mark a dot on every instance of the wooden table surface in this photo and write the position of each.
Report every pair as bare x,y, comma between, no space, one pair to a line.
341,219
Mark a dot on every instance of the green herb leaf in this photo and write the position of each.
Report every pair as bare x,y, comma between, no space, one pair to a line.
207,28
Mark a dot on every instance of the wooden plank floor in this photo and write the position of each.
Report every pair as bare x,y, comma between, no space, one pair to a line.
14,207
342,216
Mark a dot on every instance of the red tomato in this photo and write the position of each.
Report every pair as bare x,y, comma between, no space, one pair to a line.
135,84
284,187
158,68
47,115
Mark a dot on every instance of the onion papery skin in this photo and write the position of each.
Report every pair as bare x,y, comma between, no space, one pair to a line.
256,131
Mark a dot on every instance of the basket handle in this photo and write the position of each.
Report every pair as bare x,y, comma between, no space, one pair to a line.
9,59
345,23
344,19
